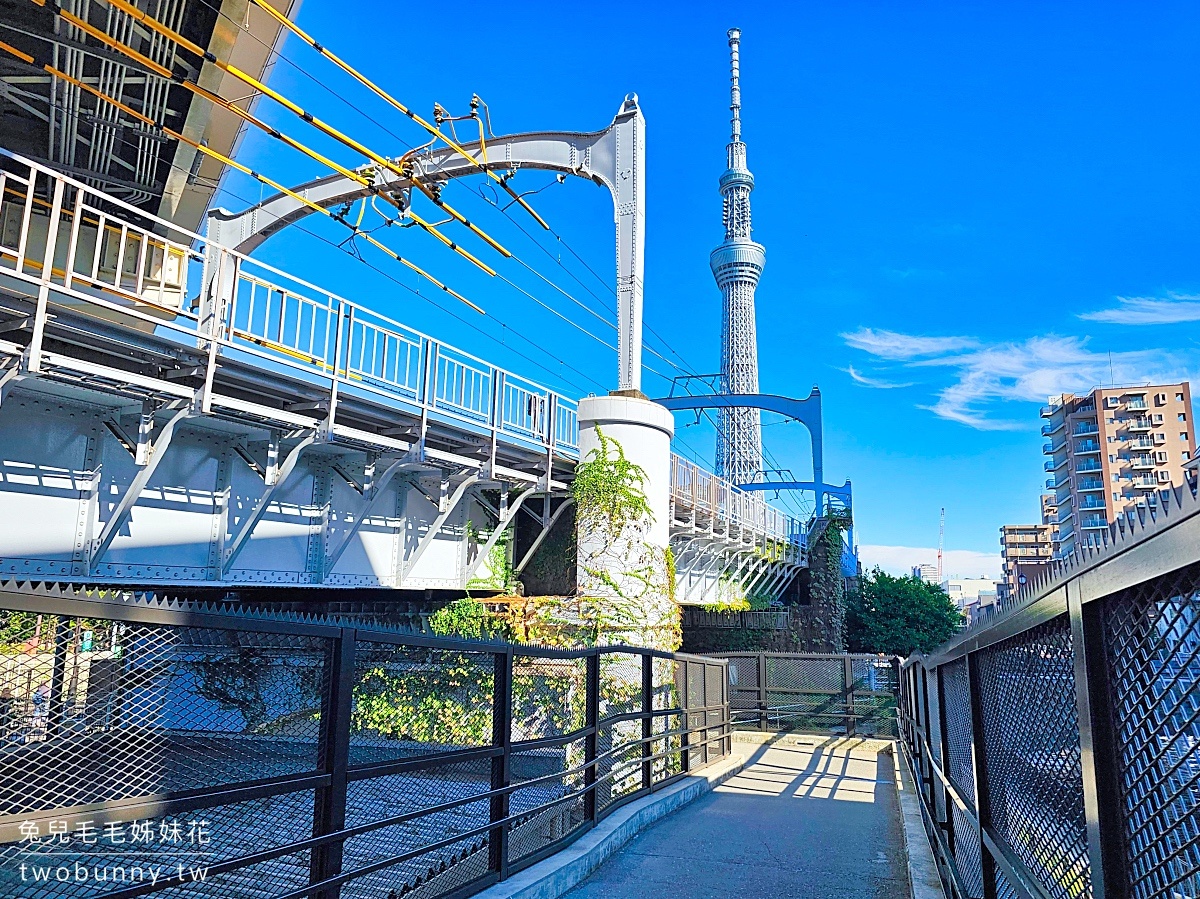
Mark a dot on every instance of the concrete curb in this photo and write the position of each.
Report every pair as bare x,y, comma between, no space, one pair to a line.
554,876
923,874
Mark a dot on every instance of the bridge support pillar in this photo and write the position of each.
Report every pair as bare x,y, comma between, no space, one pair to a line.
623,561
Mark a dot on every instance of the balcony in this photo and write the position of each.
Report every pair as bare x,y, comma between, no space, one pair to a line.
1047,411
1053,464
1138,424
1087,446
1136,402
1145,483
1055,483
1064,515
1143,443
1090,484
1052,427
1092,522
1142,463
1051,449
1087,465
1085,428
1091,502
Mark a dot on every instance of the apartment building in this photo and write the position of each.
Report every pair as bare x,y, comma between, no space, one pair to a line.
925,572
1025,549
1050,517
1113,451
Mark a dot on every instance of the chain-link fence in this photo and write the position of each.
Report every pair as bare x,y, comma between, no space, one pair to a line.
1057,747
151,747
854,695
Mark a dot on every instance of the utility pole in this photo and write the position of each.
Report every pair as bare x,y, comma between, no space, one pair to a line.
941,540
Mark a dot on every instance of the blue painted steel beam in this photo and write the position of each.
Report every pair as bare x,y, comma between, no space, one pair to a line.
806,411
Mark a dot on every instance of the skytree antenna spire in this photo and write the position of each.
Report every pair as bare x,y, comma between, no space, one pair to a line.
737,265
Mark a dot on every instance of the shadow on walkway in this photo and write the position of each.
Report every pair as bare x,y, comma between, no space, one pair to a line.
808,817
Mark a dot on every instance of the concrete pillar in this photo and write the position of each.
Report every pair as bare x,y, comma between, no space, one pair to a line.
623,572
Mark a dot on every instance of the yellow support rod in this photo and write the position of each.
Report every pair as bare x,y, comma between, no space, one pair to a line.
208,151
195,88
249,80
380,92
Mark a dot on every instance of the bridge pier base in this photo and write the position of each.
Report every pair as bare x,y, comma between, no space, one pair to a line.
624,569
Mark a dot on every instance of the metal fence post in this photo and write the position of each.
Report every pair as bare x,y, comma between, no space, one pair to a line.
1102,800
983,805
647,721
848,677
502,663
763,721
591,722
685,736
329,813
943,744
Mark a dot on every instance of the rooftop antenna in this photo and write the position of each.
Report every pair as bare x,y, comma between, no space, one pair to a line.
941,539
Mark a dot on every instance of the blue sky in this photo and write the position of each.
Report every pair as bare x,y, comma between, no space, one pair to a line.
966,208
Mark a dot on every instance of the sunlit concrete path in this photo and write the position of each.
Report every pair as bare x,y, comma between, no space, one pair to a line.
807,817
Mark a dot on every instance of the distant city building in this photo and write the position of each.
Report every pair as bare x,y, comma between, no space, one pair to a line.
1115,451
1026,550
925,572
965,592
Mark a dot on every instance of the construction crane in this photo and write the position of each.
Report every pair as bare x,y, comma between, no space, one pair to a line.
941,540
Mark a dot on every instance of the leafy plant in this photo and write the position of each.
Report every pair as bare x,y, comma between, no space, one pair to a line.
899,615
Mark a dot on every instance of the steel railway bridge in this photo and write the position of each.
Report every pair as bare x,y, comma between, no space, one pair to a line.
174,411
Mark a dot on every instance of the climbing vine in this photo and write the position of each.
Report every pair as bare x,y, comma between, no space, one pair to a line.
609,490
498,572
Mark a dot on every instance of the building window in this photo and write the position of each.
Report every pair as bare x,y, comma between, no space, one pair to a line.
1166,495
1183,416
1116,477
1116,497
1112,458
1179,397
1183,435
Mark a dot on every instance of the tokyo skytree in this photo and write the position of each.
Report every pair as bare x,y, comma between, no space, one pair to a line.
737,265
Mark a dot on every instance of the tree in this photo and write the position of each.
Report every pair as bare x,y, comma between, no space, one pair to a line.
899,615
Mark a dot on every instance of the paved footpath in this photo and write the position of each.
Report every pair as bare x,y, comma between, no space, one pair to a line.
807,818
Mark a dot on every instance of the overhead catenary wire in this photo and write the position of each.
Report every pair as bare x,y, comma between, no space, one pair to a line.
208,151
433,299
249,80
384,95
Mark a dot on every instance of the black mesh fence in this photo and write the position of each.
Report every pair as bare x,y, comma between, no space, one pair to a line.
149,747
812,693
1057,749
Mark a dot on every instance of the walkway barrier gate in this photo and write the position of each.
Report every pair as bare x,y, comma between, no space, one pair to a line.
1056,747
854,695
258,755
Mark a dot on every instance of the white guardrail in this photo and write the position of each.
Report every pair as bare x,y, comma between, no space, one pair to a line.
114,261
702,494
120,263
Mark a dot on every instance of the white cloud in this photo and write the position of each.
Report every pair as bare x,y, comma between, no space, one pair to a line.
1030,370
955,562
893,345
860,378
1176,308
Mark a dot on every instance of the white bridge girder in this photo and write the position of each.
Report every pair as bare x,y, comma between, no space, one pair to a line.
78,506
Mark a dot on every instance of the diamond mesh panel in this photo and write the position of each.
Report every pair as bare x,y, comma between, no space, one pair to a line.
956,703
668,680
126,855
1153,652
695,685
411,701
967,853
625,763
1004,889
93,711
714,685
672,763
549,697
1034,774
434,872
815,675
620,684
534,830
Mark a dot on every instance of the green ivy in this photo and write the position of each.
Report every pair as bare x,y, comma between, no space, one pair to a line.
609,490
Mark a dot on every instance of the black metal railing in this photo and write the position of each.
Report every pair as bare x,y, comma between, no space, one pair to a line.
290,756
854,695
1057,747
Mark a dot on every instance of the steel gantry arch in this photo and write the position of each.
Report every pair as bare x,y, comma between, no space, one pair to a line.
614,158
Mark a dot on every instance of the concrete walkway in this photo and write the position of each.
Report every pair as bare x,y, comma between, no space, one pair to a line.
808,818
